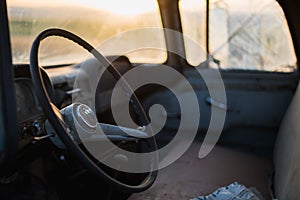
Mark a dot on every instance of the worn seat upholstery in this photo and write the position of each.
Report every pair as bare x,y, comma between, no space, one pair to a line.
287,153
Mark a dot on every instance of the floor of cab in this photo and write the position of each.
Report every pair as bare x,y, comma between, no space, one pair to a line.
190,176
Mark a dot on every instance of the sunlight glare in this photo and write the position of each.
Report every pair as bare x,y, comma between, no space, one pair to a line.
121,7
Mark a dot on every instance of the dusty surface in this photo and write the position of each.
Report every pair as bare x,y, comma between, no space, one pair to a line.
190,176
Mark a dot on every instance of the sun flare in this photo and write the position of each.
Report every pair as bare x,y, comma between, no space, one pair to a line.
121,7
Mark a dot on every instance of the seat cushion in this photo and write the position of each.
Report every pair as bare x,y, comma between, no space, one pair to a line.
287,153
190,176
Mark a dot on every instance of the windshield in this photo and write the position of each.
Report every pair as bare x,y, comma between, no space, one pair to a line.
96,21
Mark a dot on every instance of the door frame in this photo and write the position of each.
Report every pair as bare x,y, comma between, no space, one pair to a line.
8,119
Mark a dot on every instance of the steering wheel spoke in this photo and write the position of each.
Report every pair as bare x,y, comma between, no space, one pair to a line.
115,134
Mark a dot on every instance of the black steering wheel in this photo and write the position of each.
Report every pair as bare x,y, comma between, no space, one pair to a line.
60,126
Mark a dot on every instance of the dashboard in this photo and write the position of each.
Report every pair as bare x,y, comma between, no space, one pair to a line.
59,82
29,114
30,117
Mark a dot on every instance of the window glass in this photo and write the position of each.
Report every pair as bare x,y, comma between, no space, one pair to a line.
97,21
193,24
250,35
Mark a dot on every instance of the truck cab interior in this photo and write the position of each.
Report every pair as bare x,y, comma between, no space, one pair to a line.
148,99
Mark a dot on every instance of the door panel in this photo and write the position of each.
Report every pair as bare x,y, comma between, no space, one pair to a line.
256,103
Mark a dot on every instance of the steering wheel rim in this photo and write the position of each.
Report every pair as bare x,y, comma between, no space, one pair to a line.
54,116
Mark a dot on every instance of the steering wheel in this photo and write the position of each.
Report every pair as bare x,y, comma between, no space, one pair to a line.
86,116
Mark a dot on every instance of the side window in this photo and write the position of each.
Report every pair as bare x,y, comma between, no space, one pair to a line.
193,24
247,35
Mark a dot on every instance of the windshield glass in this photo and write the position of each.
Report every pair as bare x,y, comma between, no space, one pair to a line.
96,21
